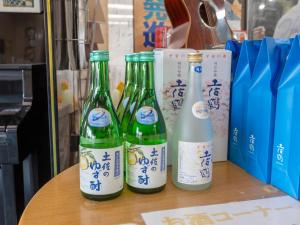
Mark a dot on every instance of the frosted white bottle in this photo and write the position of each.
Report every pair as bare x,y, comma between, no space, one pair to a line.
193,135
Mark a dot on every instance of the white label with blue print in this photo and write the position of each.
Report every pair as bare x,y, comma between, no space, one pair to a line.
101,170
147,115
99,117
146,165
194,162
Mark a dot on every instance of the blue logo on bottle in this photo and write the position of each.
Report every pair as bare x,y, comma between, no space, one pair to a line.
99,117
147,115
198,69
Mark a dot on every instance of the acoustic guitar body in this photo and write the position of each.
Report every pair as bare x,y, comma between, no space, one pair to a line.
204,25
201,36
181,22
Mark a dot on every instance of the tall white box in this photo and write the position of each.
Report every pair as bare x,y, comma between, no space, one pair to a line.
170,71
216,90
171,83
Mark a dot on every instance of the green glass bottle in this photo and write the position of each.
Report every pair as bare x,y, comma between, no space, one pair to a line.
134,60
130,83
135,93
101,149
146,138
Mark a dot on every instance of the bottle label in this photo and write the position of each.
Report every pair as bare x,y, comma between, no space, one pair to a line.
101,170
194,162
99,117
147,115
200,110
132,107
125,102
146,165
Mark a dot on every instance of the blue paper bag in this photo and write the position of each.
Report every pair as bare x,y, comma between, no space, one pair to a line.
261,103
240,85
286,148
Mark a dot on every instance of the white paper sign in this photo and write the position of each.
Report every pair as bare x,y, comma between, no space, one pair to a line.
270,211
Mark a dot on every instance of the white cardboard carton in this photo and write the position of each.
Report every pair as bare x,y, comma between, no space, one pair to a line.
171,80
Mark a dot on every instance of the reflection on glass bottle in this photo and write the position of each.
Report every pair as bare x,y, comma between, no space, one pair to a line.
146,139
92,84
101,149
193,135
132,98
135,93
130,83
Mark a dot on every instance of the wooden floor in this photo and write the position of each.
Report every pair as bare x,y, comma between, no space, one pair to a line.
60,203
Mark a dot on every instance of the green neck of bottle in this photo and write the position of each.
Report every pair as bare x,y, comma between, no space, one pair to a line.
129,74
147,75
92,78
100,76
136,77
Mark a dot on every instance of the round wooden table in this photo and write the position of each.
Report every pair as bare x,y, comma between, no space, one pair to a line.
59,202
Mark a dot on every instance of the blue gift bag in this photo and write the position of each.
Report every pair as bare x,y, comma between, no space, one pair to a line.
286,147
261,105
240,85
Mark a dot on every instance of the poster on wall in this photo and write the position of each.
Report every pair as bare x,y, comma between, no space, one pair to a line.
21,6
148,15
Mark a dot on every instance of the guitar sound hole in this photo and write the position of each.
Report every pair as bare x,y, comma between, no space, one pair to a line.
207,14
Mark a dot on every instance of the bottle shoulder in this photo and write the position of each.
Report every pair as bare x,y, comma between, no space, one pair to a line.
192,129
125,99
100,122
147,122
194,122
128,90
147,103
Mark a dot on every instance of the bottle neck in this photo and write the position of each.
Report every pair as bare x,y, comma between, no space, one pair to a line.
129,74
136,77
195,79
91,77
100,76
147,75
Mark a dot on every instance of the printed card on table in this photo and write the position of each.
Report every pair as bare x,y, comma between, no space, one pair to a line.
270,211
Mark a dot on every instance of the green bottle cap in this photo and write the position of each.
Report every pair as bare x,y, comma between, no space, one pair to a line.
99,55
132,57
146,56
